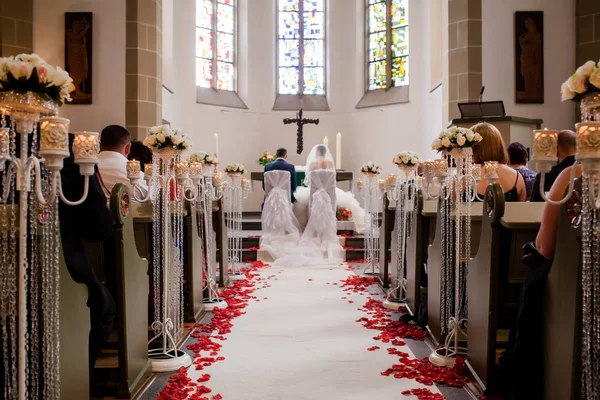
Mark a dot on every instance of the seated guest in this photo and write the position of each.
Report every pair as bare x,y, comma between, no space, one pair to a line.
492,148
567,146
93,222
517,159
115,144
545,242
141,153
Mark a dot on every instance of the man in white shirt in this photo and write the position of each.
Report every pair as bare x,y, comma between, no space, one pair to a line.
115,143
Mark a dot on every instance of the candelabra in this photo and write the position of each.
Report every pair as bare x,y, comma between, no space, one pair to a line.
455,212
29,238
235,192
401,192
166,196
371,193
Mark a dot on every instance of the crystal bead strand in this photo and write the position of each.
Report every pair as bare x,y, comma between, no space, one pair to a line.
587,359
55,235
156,240
594,236
13,271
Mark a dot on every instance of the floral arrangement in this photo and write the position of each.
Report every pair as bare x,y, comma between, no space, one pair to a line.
30,73
204,158
343,214
235,168
162,137
266,158
370,168
408,158
585,80
455,138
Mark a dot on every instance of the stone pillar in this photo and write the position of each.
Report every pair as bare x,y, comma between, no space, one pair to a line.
143,86
461,44
588,31
16,27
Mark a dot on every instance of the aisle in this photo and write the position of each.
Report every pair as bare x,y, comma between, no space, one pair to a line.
303,342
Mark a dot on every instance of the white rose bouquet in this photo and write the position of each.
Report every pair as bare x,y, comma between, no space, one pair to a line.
456,138
370,168
408,158
30,73
235,168
162,137
584,81
197,157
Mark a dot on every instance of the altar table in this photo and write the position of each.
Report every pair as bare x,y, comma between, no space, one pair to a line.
340,176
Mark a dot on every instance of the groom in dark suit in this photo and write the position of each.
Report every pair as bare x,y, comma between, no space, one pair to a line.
281,165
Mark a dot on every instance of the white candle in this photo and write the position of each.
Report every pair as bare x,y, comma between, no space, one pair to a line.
338,152
326,141
216,144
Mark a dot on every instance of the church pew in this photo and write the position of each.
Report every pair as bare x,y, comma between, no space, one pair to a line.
220,229
387,229
416,253
562,314
434,266
74,336
193,260
126,275
495,277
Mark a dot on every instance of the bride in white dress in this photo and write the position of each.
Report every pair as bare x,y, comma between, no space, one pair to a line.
320,158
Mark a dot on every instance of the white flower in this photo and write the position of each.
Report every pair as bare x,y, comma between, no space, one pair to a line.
595,78
20,69
586,69
577,83
470,135
446,142
478,137
32,59
566,93
161,137
175,139
436,144
149,141
58,77
460,139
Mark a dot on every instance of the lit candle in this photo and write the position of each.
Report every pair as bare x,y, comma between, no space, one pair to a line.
216,144
476,172
4,142
440,168
148,170
381,184
133,169
359,184
588,142
326,142
181,170
245,183
391,181
195,170
490,170
338,152
428,169
545,142
218,179
54,136
85,148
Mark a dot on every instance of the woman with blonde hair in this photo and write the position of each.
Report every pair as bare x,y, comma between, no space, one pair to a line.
492,148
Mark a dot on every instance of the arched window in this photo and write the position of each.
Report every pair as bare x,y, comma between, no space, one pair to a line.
216,34
387,52
301,72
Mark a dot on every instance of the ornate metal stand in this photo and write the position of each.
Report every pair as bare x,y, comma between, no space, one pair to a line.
403,193
372,196
167,230
234,193
29,277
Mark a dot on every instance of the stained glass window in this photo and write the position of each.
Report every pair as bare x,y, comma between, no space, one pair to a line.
387,43
215,44
301,47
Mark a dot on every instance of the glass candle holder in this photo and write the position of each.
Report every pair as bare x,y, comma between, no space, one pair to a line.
181,170
245,183
391,181
218,179
476,172
195,170
490,170
54,141
544,146
588,145
133,169
4,142
440,168
85,148
359,184
381,184
148,170
428,169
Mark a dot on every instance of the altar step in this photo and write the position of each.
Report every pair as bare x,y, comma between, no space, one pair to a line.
251,221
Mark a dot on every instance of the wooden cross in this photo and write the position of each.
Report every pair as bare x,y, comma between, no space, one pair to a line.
300,122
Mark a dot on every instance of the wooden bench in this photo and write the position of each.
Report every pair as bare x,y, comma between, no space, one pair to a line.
118,262
495,277
416,253
434,264
387,244
563,314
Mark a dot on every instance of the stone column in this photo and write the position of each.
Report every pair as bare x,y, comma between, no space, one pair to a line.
461,44
16,27
588,31
143,86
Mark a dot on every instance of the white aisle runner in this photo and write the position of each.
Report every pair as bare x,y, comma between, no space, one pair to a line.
303,343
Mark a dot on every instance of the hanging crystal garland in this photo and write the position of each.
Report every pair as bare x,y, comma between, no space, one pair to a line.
371,194
235,191
166,193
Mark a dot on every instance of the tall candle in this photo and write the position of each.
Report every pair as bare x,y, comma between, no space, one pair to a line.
326,141
216,144
338,152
